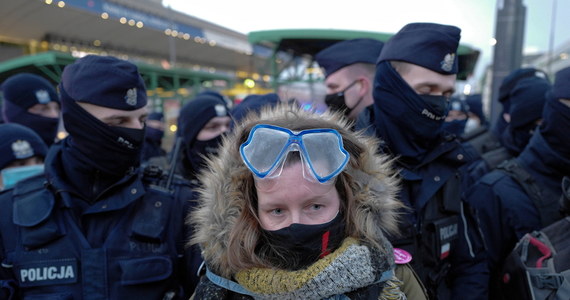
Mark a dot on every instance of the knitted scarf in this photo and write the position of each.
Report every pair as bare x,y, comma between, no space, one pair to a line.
353,270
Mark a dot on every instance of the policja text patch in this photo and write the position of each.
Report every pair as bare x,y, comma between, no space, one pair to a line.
48,273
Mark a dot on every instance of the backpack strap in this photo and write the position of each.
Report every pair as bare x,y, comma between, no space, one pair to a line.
547,211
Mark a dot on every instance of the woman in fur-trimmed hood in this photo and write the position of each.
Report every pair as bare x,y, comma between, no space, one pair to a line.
248,257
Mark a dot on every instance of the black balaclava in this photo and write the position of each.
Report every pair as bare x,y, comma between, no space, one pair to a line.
23,91
409,123
555,126
505,89
527,100
193,116
153,138
556,115
112,150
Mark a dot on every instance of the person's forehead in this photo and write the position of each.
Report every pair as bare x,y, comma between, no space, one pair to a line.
423,76
292,176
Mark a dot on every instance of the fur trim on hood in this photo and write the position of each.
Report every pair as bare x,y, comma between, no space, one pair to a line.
221,217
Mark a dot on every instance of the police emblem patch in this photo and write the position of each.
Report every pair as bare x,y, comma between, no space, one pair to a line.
131,97
22,149
447,62
43,96
220,110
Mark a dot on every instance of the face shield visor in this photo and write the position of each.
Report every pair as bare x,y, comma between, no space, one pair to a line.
268,147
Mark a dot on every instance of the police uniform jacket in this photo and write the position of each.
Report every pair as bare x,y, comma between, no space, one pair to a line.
439,230
505,210
129,244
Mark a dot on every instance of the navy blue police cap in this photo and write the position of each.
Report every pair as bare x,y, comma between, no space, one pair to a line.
253,103
345,53
26,90
196,113
561,87
19,142
511,81
104,81
527,100
156,116
429,45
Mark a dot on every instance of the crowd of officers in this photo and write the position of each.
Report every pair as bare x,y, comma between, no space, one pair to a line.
101,213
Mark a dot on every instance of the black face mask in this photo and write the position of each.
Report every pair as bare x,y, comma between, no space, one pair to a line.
337,102
199,149
298,245
437,104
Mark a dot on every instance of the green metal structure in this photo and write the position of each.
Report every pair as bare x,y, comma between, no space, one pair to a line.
290,47
50,65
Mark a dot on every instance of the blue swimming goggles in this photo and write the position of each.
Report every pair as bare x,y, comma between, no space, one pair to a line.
268,146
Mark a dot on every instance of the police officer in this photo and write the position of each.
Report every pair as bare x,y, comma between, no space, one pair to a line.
153,136
349,75
526,101
484,140
415,77
32,101
201,124
95,227
522,195
22,154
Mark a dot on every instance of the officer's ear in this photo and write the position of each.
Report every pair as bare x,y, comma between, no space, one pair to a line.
364,86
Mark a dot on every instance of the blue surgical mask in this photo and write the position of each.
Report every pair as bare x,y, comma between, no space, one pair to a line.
11,176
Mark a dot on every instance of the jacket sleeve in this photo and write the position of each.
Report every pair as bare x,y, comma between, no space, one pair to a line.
8,284
412,286
469,274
